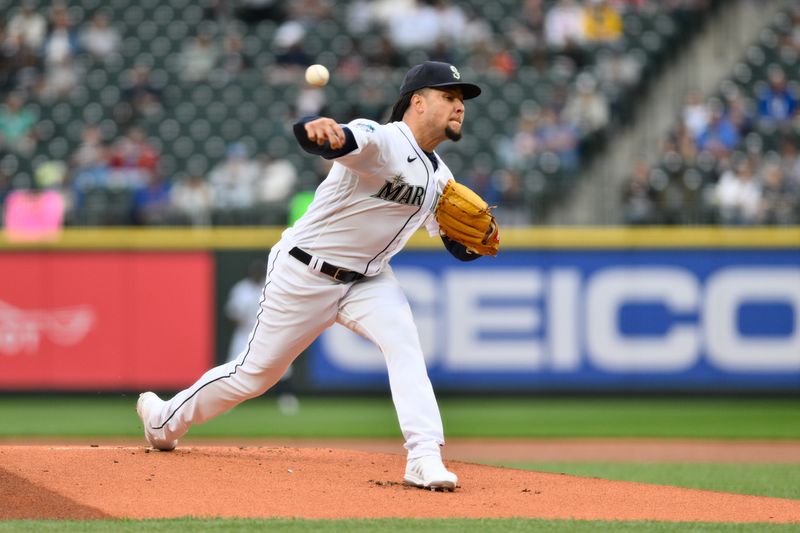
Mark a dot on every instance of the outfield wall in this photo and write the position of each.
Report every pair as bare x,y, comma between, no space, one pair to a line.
567,309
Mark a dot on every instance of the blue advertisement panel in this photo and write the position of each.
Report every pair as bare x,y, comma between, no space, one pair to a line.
596,320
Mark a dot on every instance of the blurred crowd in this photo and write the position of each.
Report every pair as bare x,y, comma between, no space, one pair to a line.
731,159
48,51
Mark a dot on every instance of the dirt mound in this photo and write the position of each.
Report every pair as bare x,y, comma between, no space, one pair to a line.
215,481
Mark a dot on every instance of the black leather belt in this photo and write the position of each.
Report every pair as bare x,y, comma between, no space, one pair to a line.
337,273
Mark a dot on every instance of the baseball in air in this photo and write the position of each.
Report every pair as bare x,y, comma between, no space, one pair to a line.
317,75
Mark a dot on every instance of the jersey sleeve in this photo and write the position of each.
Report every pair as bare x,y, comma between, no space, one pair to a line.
369,156
432,225
325,149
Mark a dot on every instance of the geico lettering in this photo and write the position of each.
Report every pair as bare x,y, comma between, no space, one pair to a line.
726,292
610,350
564,320
564,314
501,334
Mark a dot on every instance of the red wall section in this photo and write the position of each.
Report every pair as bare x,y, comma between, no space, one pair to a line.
105,320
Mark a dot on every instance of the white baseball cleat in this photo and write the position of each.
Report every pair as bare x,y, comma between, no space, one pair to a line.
147,402
429,473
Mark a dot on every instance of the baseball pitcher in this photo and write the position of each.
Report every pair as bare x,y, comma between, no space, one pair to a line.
332,265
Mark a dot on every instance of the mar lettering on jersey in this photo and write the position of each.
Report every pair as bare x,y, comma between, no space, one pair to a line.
398,191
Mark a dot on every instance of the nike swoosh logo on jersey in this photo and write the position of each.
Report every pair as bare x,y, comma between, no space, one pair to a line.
411,159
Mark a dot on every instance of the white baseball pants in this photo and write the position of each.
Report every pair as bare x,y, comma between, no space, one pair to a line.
298,304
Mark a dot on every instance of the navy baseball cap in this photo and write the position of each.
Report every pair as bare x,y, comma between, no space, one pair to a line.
437,74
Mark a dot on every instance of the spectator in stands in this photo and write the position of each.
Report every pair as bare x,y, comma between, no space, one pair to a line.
100,38
218,10
382,54
8,63
90,162
532,16
371,102
351,64
720,135
21,42
429,25
60,49
524,144
794,37
17,132
253,11
790,163
696,114
452,21
232,180
192,200
291,57
558,136
276,181
587,108
133,160
616,68
27,29
140,97
309,12
602,22
481,180
359,19
5,189
199,57
442,51
151,202
777,103
242,304
739,113
738,195
20,68
502,61
681,142
625,6
233,60
50,174
310,101
477,30
778,198
618,73
382,12
639,197
563,25
419,28
510,207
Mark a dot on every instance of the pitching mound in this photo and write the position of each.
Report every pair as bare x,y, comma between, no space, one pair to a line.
79,482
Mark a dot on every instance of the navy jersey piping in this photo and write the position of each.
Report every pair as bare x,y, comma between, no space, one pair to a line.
253,335
427,184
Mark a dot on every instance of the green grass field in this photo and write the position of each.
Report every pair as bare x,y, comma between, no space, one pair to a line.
54,417
115,416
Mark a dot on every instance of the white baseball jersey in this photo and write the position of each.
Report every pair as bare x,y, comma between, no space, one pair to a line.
373,200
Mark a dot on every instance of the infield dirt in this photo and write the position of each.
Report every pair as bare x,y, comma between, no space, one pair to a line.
79,481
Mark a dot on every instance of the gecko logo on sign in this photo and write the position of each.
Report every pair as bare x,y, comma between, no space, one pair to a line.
659,319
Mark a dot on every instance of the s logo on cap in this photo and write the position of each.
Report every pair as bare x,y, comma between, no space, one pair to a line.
456,74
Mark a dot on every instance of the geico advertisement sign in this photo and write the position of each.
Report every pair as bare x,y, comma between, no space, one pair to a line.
563,320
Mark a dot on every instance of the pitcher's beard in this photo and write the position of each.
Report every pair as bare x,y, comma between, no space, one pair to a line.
452,134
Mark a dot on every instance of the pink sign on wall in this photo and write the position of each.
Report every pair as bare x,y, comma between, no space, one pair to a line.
33,215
